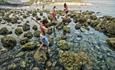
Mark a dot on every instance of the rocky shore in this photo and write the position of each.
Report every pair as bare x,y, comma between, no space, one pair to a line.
88,44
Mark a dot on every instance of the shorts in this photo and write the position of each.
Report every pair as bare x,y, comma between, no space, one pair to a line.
44,40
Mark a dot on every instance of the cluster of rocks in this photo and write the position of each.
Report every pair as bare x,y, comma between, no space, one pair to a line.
73,45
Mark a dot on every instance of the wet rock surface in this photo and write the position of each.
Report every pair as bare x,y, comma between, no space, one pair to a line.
73,43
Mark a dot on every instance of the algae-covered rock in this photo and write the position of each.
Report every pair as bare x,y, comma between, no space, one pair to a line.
66,20
78,26
8,41
12,66
37,33
111,41
63,44
18,31
28,35
40,56
4,31
23,64
24,41
34,14
35,68
35,27
111,29
74,61
30,45
26,27
66,29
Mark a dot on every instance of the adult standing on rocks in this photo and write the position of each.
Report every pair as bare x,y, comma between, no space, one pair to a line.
65,9
53,13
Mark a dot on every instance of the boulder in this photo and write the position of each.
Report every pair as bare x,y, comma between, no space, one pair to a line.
18,31
35,68
110,29
8,41
74,61
4,31
111,41
28,35
12,66
41,13
38,18
34,14
40,56
35,27
66,29
30,45
63,45
37,33
78,26
23,64
24,41
26,27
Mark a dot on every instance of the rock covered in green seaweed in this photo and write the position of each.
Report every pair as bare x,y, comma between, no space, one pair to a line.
31,45
18,31
35,27
26,27
28,35
24,41
8,41
37,33
74,61
63,44
4,31
40,56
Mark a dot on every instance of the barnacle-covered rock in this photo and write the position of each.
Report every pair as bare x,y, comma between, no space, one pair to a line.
63,44
8,41
26,27
18,31
28,35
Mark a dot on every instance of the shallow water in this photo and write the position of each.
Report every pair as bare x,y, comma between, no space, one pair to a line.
92,42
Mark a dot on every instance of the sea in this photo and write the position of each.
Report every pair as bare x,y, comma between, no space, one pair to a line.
106,7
